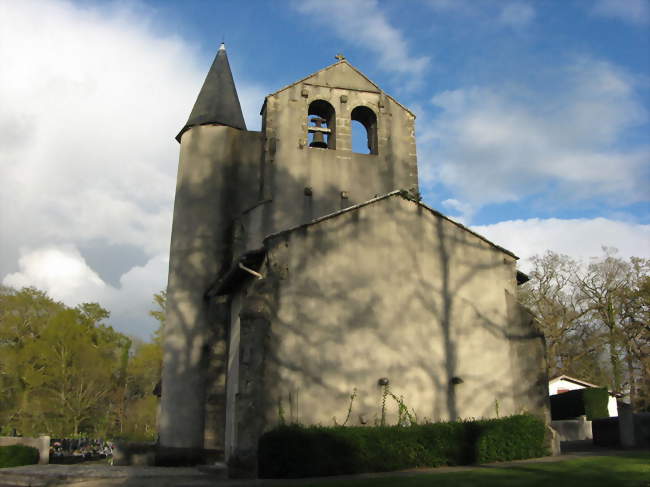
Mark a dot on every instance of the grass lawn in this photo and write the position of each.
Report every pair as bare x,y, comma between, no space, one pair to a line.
627,470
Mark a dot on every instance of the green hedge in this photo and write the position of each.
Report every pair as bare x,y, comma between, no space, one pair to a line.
308,451
591,401
596,400
17,455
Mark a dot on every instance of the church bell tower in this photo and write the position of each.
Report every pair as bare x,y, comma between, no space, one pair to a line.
234,188
310,168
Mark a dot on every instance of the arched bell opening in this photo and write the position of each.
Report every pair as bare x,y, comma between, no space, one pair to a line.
321,121
364,130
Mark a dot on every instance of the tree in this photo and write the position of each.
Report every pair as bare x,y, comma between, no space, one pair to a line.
23,315
610,289
65,371
159,314
553,298
602,288
595,318
137,420
635,331
59,363
78,368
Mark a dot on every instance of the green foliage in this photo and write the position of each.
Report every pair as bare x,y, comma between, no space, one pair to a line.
595,401
56,362
65,372
384,395
17,455
136,405
571,404
352,398
511,438
304,451
404,416
159,314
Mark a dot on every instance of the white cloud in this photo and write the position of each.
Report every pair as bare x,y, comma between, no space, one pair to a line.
61,271
465,210
499,144
578,238
632,11
517,15
134,296
363,23
98,101
64,274
91,99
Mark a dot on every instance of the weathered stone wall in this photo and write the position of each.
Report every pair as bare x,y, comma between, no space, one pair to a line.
337,178
216,369
248,407
394,290
218,176
573,429
528,360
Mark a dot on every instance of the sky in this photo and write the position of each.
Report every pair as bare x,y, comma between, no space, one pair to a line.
532,122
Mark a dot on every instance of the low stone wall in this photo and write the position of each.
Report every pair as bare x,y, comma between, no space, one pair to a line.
573,429
42,444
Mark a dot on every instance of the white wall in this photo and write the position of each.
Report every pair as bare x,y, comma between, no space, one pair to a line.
553,387
612,407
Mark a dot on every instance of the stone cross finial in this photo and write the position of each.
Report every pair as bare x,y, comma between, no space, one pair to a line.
339,56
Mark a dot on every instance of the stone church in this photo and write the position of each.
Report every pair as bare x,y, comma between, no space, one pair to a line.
301,271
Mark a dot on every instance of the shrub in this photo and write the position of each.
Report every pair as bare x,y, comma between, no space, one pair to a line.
306,451
591,402
17,455
595,400
513,438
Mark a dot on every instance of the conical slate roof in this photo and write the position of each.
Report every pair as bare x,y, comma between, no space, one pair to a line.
217,102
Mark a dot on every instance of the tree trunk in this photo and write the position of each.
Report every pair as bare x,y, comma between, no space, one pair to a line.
613,357
630,370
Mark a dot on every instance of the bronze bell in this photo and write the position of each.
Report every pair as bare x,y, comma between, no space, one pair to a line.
319,138
318,141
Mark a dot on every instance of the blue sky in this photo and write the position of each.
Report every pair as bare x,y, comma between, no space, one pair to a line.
532,121
523,52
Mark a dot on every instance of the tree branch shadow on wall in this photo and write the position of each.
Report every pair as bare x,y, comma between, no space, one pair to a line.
193,352
441,298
